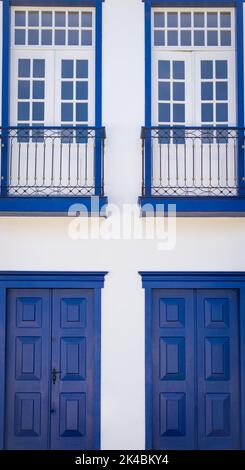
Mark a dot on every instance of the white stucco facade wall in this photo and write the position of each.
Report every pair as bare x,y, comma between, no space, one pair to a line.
202,244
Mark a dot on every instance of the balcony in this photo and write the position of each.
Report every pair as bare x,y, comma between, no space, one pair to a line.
198,169
46,170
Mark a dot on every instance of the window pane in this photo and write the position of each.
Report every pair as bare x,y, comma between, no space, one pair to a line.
172,38
82,90
67,91
82,69
221,68
60,18
178,69
221,112
46,18
179,113
47,37
164,69
60,37
212,20
38,68
33,18
20,36
225,38
159,38
24,89
23,111
172,20
38,111
24,68
185,20
225,20
207,91
221,91
159,20
164,91
67,112
73,38
33,37
199,20
87,20
81,112
164,112
20,18
199,38
67,69
73,19
206,69
185,38
212,38
178,91
87,37
207,112
38,89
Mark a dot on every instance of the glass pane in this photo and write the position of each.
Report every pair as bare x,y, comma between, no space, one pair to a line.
73,19
199,38
207,91
47,37
60,18
207,112
221,112
221,91
225,38
20,18
82,90
87,37
185,20
212,38
164,69
178,113
212,20
81,112
67,112
178,69
33,18
185,38
67,91
73,38
164,91
46,18
87,20
159,38
159,20
24,89
225,20
38,111
172,20
38,90
38,68
206,69
199,20
178,91
172,38
23,111
164,112
24,68
20,36
60,37
221,68
33,37
67,69
82,69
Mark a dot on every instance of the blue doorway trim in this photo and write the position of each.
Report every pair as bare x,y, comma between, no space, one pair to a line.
65,280
191,280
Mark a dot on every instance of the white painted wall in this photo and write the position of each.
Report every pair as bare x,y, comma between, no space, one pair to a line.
44,244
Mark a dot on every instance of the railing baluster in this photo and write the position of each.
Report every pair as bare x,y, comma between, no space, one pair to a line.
52,161
27,163
44,162
78,146
35,170
61,161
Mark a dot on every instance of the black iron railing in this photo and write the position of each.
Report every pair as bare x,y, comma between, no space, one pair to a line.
53,161
191,161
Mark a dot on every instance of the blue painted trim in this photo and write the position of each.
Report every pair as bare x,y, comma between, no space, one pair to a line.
97,377
2,361
53,206
200,3
98,95
58,3
148,96
5,94
194,206
185,280
240,94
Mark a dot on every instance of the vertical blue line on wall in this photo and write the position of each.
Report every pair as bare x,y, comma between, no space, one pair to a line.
240,95
148,79
5,95
98,97
2,361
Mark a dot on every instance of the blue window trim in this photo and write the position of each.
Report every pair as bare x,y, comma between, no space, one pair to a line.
6,75
238,4
62,280
192,280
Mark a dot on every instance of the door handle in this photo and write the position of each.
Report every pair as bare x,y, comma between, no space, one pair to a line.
54,375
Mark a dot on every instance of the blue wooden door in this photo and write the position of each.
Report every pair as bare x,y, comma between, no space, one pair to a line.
195,357
50,370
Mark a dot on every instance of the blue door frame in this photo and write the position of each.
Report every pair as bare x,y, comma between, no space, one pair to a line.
189,280
52,280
